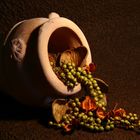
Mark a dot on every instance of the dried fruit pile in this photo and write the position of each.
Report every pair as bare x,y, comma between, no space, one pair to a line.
88,111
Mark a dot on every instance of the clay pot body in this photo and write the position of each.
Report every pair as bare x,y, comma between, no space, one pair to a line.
26,72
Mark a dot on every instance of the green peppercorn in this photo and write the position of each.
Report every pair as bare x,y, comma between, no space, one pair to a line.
98,88
98,120
71,85
75,114
94,82
78,73
76,109
90,113
82,123
73,104
91,119
76,100
126,122
130,114
73,64
132,118
50,123
64,66
94,94
89,76
67,121
96,128
122,121
99,92
58,125
64,117
96,99
111,126
70,67
85,117
78,103
134,115
107,127
91,127
104,108
90,87
79,69
101,96
99,104
135,118
128,117
101,128
69,64
95,85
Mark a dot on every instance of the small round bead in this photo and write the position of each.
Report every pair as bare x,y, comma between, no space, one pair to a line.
82,123
101,128
98,120
95,85
89,76
50,123
128,117
101,96
111,126
85,117
132,119
73,104
94,82
79,69
76,99
99,92
134,115
76,109
94,94
126,122
90,113
130,114
98,88
96,128
91,127
107,127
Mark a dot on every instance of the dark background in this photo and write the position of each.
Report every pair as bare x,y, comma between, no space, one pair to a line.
112,28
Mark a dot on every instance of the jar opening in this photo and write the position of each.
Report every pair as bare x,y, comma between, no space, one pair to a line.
62,39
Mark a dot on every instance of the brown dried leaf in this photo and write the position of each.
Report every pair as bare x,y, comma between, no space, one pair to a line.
76,55
59,108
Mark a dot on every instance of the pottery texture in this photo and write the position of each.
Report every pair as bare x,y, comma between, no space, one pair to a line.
28,74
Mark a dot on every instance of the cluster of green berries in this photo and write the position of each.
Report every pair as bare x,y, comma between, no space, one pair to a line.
129,121
89,120
71,76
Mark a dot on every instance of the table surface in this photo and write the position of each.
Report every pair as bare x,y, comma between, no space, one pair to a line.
112,29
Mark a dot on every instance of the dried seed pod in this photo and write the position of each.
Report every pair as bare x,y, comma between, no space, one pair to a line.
59,108
76,55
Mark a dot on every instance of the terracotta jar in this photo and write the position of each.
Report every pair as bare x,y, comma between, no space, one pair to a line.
26,72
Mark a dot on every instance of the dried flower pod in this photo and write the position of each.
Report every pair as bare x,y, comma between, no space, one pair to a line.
76,55
59,108
88,104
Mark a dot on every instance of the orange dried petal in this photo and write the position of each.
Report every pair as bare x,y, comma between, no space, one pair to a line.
88,104
92,67
119,112
100,113
68,127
